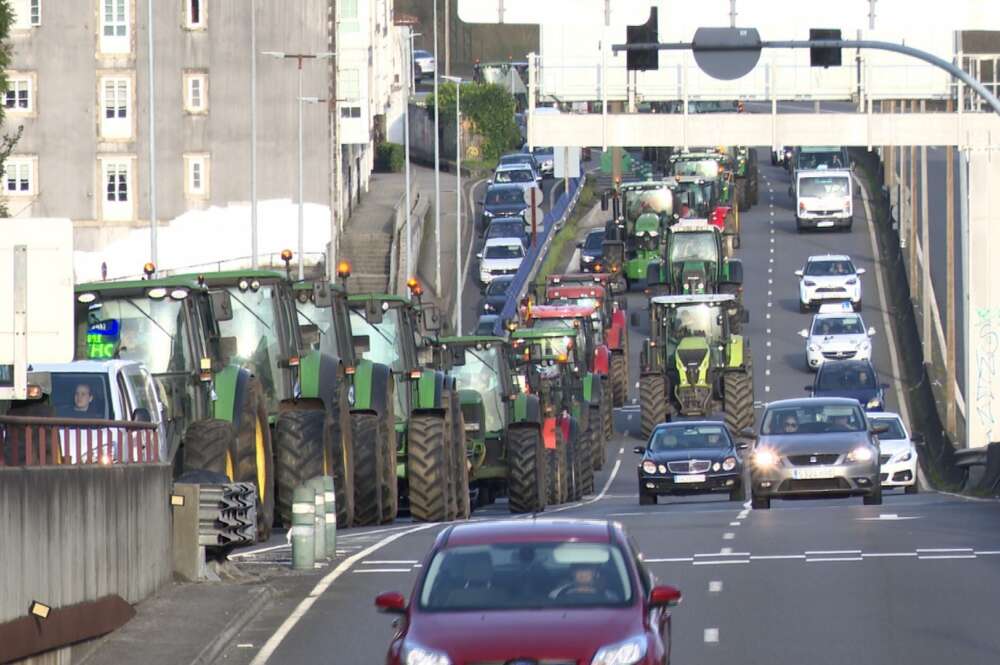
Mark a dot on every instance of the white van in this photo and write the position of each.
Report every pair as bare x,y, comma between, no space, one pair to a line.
824,199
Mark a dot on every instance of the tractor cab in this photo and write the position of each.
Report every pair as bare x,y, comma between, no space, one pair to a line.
585,326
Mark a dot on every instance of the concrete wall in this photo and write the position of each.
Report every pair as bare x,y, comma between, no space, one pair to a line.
422,136
74,534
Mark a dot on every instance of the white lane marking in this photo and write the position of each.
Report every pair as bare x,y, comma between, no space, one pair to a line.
942,550
712,635
244,645
767,389
373,532
715,586
825,552
388,563
300,610
723,562
987,552
776,557
887,518
904,409
381,570
236,555
729,535
832,558
743,514
887,555
734,523
946,556
767,372
621,450
725,551
680,559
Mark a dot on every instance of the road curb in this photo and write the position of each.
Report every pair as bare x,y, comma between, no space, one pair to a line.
259,598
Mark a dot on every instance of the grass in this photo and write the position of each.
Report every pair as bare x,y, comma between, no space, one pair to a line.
567,234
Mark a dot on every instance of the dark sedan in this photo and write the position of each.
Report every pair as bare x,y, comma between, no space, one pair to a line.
532,591
690,457
495,294
592,251
854,379
506,200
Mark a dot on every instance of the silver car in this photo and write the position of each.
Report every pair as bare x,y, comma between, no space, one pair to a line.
818,446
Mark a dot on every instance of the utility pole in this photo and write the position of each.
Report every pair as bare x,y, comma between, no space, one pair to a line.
950,354
336,218
458,201
254,249
913,211
152,137
438,286
925,242
447,38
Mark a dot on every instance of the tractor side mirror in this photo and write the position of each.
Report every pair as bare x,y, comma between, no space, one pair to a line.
736,272
142,415
604,201
458,356
373,312
222,305
633,319
310,335
431,318
321,295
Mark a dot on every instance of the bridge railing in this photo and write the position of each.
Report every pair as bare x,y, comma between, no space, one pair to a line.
42,441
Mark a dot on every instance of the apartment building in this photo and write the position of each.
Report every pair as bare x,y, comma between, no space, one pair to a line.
80,87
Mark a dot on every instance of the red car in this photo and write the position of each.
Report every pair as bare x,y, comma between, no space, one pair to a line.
532,591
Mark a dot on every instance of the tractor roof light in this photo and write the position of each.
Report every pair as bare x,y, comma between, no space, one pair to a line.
148,269
86,298
286,255
34,391
243,285
255,285
156,293
343,270
179,294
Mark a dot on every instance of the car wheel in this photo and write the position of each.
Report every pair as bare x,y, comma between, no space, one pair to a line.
738,493
857,305
803,307
913,489
875,498
647,499
760,502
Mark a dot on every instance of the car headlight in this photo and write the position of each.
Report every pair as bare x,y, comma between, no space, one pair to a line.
629,652
905,456
586,259
874,403
863,454
808,283
649,467
662,468
487,213
729,464
418,655
814,348
716,466
765,459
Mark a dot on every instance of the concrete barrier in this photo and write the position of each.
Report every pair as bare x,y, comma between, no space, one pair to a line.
73,535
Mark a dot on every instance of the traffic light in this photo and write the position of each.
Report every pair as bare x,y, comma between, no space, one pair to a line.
824,57
640,61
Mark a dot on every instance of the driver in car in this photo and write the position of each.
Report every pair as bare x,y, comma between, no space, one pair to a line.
586,582
791,423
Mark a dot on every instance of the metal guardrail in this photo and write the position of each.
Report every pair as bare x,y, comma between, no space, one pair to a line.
40,441
553,221
971,457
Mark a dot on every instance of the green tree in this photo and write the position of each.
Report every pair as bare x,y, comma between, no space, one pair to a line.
7,141
489,107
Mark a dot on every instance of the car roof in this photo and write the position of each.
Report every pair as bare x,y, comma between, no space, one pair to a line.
528,530
503,242
847,364
809,401
562,311
504,185
594,232
822,173
885,415
828,257
520,156
573,291
688,423
518,166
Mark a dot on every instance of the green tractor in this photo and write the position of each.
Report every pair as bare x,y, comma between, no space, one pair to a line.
746,176
693,364
430,465
695,263
503,426
549,363
634,237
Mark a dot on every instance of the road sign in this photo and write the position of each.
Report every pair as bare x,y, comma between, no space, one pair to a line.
566,163
556,12
713,51
533,196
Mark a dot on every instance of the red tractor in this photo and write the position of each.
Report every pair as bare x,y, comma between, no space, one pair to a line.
614,282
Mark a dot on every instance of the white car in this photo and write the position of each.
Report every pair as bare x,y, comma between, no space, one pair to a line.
824,199
897,452
424,65
829,277
516,174
500,256
837,333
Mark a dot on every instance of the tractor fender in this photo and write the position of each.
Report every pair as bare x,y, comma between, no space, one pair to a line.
718,217
319,374
527,410
431,387
369,387
602,360
616,331
230,387
735,357
593,390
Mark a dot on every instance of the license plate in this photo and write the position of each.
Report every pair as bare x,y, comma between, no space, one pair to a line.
824,225
690,478
817,473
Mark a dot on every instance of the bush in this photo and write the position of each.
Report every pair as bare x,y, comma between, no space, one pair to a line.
490,108
389,158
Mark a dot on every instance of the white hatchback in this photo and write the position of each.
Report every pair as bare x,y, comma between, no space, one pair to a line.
500,256
837,333
829,277
897,452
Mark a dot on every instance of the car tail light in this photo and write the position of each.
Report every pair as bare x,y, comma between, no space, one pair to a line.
802,207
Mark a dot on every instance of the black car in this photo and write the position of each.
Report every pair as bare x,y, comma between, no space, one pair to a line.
508,227
546,158
495,295
505,200
855,379
690,457
592,251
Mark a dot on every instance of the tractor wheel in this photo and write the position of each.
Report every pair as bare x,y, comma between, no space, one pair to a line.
744,196
755,190
608,425
526,479
369,468
619,378
339,463
597,442
737,400
652,402
557,467
426,468
255,456
209,445
585,464
298,454
387,439
460,463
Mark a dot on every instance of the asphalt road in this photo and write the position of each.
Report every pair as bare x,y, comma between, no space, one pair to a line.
821,581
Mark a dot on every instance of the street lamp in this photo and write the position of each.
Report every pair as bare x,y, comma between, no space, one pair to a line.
437,163
410,85
457,80
300,57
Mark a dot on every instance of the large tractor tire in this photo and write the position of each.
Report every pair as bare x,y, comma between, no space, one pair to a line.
389,482
652,402
526,477
369,468
340,465
298,455
426,467
607,425
557,470
210,445
619,378
460,470
255,455
585,463
738,400
597,441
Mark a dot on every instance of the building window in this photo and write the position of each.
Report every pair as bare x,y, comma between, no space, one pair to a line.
27,14
115,26
195,13
116,182
350,111
19,176
18,98
116,103
349,16
196,175
350,84
117,188
196,92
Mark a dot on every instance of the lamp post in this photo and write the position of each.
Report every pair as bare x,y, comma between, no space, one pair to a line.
153,254
457,80
438,287
300,57
406,142
254,249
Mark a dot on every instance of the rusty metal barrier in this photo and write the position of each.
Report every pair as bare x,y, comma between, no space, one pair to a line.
35,441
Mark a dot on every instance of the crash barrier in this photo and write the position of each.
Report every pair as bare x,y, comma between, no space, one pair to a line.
40,441
552,222
210,517
982,466
78,543
314,523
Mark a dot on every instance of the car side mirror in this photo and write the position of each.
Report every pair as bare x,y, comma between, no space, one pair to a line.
579,245
639,450
222,305
883,386
871,331
321,295
142,415
391,602
748,433
799,273
481,202
879,428
310,334
664,596
808,389
804,333
479,255
742,445
860,271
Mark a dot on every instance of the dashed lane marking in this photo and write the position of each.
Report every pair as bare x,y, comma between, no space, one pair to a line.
711,635
715,586
381,570
734,524
729,535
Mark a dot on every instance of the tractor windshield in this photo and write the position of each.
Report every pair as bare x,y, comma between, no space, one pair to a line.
480,373
703,168
153,332
331,322
693,247
258,346
640,201
383,339
697,320
695,198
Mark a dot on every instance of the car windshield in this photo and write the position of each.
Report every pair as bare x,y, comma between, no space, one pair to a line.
153,332
525,576
830,159
515,175
689,437
511,229
838,325
845,376
696,321
505,252
813,419
895,431
480,373
693,247
81,395
498,287
594,241
821,187
544,153
505,196
703,168
829,268
518,158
